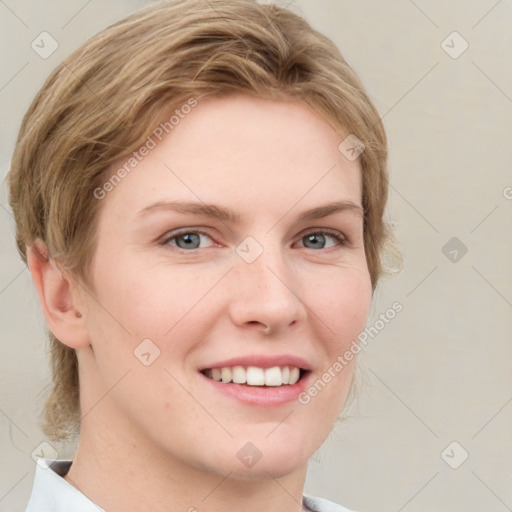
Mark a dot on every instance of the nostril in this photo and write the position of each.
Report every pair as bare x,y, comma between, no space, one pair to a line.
264,327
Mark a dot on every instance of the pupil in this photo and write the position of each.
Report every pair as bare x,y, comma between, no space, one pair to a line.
316,240
189,240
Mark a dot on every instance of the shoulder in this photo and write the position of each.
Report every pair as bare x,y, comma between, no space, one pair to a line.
316,504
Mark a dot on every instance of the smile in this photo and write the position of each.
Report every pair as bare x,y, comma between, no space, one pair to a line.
256,376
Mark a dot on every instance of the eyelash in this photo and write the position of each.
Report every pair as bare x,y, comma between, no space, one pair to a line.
341,239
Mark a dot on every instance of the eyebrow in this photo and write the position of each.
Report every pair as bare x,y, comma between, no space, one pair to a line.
225,214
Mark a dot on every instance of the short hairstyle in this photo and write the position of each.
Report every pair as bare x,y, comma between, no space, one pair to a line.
104,100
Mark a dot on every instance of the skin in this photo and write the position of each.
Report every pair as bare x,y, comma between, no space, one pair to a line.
161,434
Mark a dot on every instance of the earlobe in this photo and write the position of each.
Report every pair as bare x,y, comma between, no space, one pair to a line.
55,291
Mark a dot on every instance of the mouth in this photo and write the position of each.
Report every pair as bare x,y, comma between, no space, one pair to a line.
255,376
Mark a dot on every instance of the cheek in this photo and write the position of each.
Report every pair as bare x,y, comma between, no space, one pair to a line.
170,306
343,307
143,298
343,301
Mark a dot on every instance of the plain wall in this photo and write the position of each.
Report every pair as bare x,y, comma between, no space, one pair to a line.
440,371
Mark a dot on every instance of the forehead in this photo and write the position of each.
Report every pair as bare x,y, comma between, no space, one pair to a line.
242,150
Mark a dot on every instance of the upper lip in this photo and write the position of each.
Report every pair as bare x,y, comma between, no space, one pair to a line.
262,361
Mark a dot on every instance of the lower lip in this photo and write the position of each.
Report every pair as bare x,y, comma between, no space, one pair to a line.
261,396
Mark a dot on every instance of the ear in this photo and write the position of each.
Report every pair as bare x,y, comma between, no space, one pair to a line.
60,303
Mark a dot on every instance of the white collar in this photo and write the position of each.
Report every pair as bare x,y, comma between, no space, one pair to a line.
51,493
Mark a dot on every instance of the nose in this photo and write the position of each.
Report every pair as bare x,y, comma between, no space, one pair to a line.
265,295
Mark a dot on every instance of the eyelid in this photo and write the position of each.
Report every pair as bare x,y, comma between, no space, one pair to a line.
328,231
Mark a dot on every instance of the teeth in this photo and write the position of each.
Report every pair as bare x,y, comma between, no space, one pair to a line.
294,375
273,376
226,374
239,376
254,376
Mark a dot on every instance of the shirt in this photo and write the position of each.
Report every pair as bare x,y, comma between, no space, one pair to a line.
51,493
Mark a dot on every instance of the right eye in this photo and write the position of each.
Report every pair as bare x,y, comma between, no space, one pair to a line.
186,240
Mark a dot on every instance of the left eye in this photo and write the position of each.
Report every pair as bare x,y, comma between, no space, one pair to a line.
186,240
319,240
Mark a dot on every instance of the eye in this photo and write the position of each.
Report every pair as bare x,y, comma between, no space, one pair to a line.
320,240
187,240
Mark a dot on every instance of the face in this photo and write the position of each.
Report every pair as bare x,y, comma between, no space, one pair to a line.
234,248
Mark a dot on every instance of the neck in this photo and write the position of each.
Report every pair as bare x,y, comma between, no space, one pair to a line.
118,475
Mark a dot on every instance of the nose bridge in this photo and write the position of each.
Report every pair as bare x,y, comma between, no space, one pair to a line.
265,288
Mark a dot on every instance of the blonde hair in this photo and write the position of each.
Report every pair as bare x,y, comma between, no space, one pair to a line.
105,99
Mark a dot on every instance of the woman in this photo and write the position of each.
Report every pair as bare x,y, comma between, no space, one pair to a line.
199,194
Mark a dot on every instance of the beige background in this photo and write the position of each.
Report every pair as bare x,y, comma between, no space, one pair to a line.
441,370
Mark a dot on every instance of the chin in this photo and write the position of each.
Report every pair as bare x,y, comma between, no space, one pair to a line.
277,459
251,463
272,467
